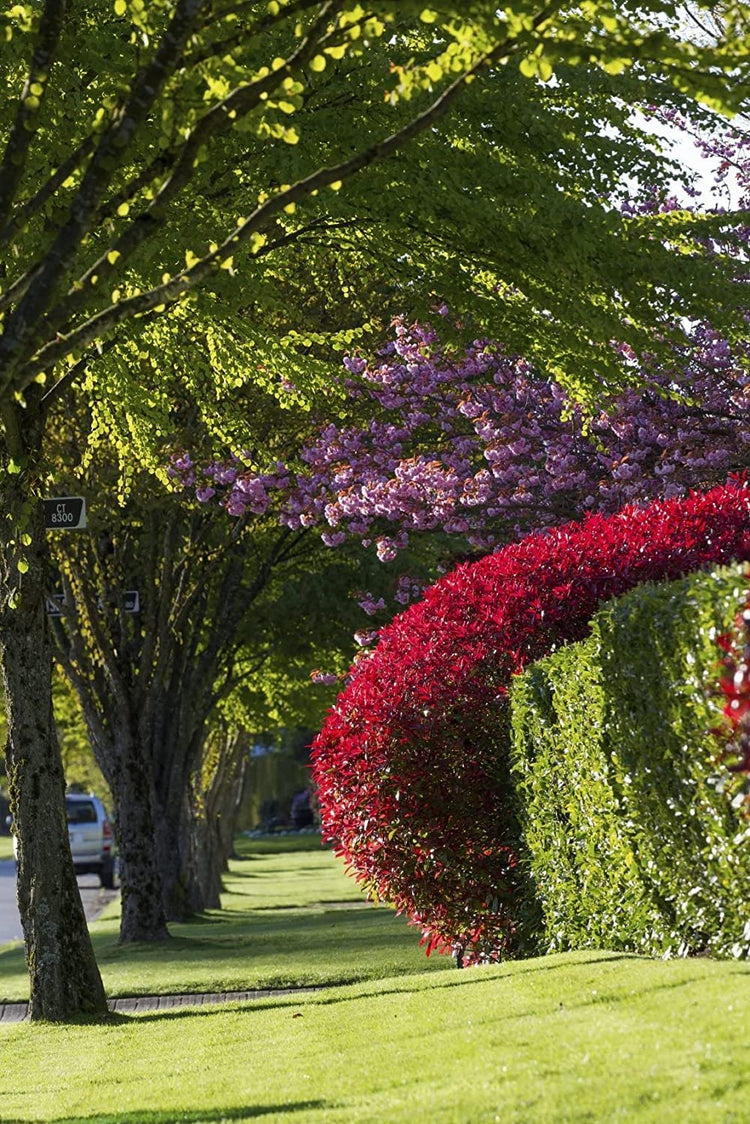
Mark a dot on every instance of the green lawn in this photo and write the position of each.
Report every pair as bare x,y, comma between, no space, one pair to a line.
6,847
288,918
575,1037
586,1037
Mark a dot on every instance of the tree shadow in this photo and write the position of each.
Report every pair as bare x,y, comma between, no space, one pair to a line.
335,904
210,1116
298,995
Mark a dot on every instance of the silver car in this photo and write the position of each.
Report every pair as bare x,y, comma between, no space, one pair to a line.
92,842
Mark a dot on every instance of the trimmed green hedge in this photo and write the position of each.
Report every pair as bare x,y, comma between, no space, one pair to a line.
630,841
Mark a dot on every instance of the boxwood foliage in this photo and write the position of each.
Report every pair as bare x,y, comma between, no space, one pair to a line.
631,840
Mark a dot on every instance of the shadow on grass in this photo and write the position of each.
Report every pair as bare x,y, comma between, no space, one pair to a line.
210,1116
271,948
311,930
278,845
438,982
333,906
270,871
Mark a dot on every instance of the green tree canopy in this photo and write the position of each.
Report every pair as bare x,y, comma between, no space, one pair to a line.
154,148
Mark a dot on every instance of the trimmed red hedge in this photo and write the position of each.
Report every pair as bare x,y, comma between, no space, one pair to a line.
410,763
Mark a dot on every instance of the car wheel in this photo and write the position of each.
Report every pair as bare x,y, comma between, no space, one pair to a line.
107,873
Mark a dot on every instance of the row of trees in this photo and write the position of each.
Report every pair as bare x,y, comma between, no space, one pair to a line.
473,447
166,692
136,306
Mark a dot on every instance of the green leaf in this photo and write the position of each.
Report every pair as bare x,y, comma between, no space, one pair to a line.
617,66
545,69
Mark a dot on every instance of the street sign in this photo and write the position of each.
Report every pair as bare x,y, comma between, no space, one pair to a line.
65,513
131,603
54,604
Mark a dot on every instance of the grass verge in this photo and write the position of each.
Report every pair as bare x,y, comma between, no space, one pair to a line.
6,847
288,918
573,1037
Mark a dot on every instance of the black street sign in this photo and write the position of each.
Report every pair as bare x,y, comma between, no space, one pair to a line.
65,513
131,603
54,604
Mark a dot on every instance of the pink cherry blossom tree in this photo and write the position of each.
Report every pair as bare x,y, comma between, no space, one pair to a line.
476,445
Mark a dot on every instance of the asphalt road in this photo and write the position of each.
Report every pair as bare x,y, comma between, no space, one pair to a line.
93,897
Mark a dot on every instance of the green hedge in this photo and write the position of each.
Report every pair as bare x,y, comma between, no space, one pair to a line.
630,841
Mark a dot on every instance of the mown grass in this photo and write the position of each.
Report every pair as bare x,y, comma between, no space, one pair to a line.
578,1037
6,847
573,1037
288,918
245,845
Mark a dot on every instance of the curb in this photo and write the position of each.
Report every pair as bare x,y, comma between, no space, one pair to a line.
18,1012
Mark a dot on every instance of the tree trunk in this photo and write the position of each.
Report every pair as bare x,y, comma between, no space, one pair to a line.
177,857
143,917
187,881
64,977
196,844
107,703
203,876
224,795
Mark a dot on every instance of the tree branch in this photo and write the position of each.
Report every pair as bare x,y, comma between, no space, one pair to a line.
90,332
19,287
219,118
109,155
29,104
220,48
38,200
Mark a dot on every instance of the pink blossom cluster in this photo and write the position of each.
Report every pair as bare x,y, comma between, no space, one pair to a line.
408,589
370,604
323,678
477,444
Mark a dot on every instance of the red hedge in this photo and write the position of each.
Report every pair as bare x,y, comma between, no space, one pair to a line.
409,763
735,688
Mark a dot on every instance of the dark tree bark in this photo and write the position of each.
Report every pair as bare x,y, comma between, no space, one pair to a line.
114,735
143,917
64,977
209,816
149,685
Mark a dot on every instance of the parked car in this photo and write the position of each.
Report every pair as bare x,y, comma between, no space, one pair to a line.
92,841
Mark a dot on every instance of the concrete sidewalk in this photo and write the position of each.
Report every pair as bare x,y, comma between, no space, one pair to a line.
17,1012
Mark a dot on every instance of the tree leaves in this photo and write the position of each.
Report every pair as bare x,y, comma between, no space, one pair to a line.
502,208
